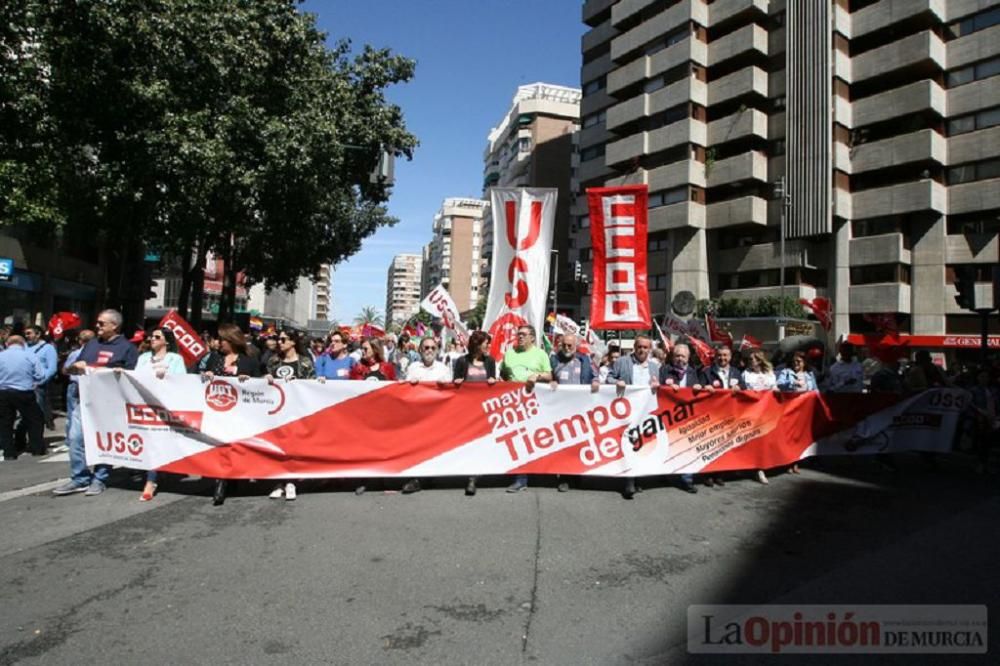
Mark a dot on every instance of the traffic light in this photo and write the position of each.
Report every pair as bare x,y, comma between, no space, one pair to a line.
577,271
965,284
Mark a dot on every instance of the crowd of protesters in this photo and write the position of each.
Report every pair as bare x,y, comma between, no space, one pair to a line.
35,371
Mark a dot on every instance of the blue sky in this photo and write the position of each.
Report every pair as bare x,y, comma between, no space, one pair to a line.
471,57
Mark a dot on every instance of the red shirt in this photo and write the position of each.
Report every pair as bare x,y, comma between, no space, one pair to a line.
362,370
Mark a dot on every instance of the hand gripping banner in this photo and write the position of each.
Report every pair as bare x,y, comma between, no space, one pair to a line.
523,220
620,298
301,429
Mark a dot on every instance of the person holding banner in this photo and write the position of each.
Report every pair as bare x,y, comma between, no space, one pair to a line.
678,374
232,361
161,360
373,366
570,367
524,362
636,369
476,366
722,376
759,376
429,369
290,362
108,350
796,379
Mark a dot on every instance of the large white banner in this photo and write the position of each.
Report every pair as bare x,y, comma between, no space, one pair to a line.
523,220
252,429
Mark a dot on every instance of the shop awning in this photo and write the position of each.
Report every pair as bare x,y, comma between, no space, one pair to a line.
920,341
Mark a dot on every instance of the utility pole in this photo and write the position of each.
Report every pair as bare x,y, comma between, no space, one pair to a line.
555,283
781,191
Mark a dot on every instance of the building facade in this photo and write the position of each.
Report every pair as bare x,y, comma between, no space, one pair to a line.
454,255
881,117
403,287
533,146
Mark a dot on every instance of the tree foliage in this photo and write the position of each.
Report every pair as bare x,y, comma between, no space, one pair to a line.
197,126
369,315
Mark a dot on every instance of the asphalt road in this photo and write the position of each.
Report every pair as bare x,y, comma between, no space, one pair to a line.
437,578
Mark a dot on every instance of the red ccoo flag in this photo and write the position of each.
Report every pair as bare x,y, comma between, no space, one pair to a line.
822,309
716,333
62,322
703,350
750,342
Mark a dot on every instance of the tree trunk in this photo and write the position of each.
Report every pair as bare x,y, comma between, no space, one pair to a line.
184,299
198,284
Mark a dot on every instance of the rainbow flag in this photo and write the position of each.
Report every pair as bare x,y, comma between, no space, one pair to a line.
256,323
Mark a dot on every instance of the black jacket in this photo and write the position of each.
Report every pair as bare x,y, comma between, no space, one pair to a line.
710,375
460,368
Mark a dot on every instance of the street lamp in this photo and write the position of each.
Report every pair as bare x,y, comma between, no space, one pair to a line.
781,191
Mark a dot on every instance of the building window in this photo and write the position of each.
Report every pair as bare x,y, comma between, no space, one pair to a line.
880,273
778,104
875,226
980,70
524,144
591,153
595,118
596,85
980,222
974,121
974,23
667,197
658,282
584,222
967,173
653,85
586,253
657,244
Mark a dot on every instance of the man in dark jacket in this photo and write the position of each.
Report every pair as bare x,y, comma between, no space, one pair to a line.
678,374
108,350
721,374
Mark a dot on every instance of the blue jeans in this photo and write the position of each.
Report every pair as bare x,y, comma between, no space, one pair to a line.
72,404
80,474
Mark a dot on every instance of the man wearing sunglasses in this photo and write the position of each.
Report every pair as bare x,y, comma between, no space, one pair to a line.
525,363
108,350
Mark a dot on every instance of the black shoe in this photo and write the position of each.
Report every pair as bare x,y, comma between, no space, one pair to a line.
709,482
689,487
470,487
219,496
359,491
563,487
629,491
719,481
411,486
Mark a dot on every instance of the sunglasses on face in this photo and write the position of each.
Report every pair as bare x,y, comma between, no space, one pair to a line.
284,339
156,336
428,349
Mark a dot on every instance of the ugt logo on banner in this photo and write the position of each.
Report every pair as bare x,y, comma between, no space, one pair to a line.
618,221
523,219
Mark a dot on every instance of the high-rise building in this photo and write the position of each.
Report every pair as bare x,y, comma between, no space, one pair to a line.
454,255
533,147
402,288
881,117
323,294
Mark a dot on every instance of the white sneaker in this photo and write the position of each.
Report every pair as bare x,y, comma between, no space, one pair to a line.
277,493
290,492
762,477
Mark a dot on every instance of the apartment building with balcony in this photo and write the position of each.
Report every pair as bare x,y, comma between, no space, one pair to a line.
882,116
533,146
403,287
454,255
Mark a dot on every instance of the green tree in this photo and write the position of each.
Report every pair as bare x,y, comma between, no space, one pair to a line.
369,315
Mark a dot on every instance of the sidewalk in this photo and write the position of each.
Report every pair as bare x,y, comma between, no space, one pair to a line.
28,470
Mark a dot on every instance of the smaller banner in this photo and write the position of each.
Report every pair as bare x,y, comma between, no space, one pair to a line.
189,343
62,322
566,326
524,219
821,308
439,303
620,298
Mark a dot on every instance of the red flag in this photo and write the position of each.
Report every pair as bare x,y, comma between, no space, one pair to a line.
62,322
822,309
750,342
704,351
372,331
618,229
716,333
189,343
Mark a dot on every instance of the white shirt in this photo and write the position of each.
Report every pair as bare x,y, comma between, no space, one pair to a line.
436,372
640,374
759,381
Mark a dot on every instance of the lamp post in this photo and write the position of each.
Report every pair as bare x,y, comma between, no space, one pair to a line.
555,283
781,191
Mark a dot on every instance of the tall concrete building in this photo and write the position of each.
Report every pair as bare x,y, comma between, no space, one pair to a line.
454,255
533,146
323,293
403,287
882,116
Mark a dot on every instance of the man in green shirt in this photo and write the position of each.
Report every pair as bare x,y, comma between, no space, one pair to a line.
529,364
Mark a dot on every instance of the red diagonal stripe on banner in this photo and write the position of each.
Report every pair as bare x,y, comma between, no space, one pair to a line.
385,431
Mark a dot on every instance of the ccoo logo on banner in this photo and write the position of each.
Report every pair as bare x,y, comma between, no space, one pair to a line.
620,298
523,219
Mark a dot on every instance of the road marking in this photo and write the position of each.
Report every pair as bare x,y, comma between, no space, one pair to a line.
31,490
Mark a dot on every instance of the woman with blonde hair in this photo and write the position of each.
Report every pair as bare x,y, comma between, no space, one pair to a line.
759,376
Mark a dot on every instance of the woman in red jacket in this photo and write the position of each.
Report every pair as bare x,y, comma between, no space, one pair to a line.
373,365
